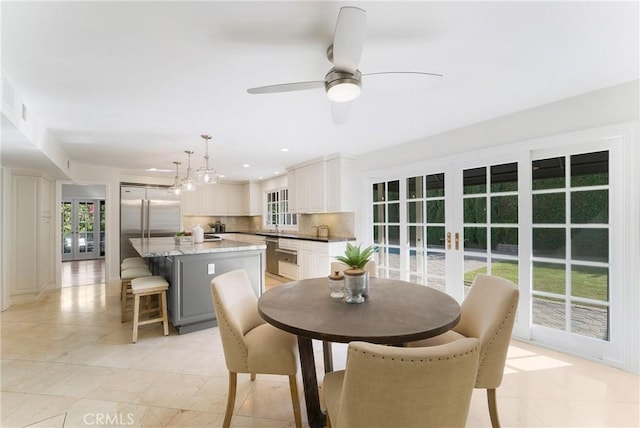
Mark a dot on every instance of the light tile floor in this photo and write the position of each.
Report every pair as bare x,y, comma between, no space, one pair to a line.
68,361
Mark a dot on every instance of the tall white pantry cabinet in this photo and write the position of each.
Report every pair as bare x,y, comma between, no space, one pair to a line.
31,247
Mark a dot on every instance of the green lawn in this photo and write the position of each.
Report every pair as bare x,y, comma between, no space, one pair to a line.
587,282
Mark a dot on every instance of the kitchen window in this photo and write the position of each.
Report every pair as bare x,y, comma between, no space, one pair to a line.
278,209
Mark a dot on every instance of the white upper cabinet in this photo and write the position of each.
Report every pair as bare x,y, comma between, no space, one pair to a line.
214,199
253,200
340,185
323,186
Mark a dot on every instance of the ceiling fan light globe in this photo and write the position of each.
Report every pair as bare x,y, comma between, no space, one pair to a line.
343,92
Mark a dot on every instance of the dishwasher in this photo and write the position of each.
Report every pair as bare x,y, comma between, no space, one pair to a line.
272,255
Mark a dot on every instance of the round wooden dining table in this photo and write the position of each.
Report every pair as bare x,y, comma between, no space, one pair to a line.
394,312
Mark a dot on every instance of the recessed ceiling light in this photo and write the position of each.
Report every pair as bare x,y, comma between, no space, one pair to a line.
284,149
277,172
152,169
221,175
245,165
158,170
259,178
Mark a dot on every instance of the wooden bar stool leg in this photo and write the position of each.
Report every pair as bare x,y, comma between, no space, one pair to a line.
163,311
136,314
123,301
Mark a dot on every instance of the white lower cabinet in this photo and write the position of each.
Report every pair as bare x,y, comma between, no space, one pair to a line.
314,258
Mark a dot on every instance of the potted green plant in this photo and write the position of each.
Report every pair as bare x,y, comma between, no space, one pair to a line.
356,280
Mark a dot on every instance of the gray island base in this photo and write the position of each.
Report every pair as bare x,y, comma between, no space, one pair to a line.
189,270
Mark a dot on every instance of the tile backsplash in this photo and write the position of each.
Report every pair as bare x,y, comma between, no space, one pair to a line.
340,224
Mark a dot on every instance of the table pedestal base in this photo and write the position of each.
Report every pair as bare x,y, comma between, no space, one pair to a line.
316,418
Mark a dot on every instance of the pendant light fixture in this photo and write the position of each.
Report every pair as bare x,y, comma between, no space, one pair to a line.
176,189
188,184
206,174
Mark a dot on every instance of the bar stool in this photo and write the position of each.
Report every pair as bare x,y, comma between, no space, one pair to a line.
126,276
148,286
132,262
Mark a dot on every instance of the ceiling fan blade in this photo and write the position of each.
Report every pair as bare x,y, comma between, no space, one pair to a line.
340,112
403,72
287,87
348,39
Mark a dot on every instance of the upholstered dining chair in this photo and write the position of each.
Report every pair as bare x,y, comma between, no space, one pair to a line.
250,344
487,313
389,386
369,267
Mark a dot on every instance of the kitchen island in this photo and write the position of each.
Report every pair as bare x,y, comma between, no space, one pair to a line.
189,269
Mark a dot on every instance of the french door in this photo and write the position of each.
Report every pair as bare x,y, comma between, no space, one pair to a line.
540,218
82,229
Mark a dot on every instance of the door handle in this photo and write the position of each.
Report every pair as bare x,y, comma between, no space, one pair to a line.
457,241
448,240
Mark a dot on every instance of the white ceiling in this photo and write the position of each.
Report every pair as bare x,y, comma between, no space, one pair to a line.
133,85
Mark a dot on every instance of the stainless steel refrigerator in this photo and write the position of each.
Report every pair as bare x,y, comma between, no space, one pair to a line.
145,212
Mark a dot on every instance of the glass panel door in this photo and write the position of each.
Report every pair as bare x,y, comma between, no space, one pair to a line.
67,230
386,228
570,210
490,222
82,230
425,223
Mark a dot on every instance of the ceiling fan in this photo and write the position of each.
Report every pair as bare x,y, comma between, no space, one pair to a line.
343,82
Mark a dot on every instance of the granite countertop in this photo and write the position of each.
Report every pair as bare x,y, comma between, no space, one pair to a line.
298,236
161,247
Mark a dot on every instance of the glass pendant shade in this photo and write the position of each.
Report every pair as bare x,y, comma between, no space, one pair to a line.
176,188
205,174
188,183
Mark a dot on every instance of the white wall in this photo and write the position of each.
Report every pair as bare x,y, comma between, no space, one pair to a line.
608,106
87,191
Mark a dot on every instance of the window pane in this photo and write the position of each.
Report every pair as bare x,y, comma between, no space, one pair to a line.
414,188
504,240
475,210
472,267
590,320
378,192
475,180
507,269
416,236
415,212
435,263
435,211
394,213
590,207
416,261
379,213
549,242
394,235
504,178
380,257
590,282
549,208
435,185
549,312
549,277
393,257
548,173
590,244
379,235
393,190
475,239
504,209
590,169
435,237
